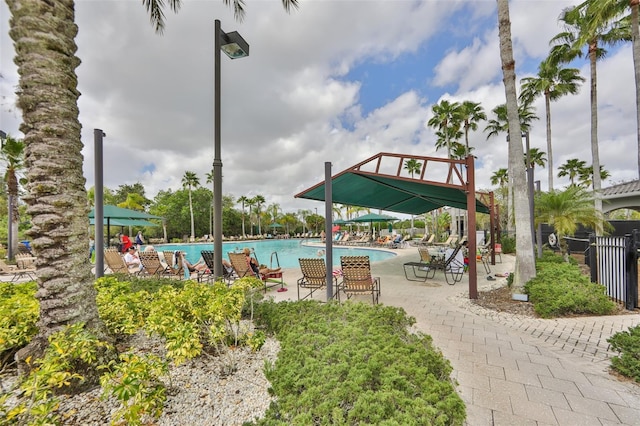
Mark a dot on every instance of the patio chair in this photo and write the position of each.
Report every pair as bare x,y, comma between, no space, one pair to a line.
314,277
114,260
243,269
207,255
452,265
15,272
426,240
174,267
357,279
151,263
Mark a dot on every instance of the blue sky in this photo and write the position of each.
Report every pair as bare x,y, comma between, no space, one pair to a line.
332,81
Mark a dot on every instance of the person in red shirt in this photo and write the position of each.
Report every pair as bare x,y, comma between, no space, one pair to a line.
126,242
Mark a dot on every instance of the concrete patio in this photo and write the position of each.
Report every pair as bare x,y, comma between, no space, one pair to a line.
511,370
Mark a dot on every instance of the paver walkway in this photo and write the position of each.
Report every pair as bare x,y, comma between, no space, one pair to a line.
513,370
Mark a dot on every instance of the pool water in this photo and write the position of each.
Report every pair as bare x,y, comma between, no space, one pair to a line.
288,251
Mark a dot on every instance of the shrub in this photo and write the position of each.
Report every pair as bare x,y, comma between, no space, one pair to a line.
508,244
19,313
561,289
627,344
355,364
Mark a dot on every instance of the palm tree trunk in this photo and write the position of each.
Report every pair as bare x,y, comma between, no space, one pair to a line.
597,181
193,232
525,260
547,105
44,33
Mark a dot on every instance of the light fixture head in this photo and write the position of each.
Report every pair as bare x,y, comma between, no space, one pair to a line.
233,45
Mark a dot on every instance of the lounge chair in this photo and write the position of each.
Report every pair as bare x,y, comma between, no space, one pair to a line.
174,267
357,279
207,256
449,242
314,277
424,269
116,263
151,263
426,240
242,269
15,272
452,265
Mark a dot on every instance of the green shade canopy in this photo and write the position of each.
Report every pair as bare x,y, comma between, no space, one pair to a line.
276,225
124,222
115,212
374,217
341,222
381,182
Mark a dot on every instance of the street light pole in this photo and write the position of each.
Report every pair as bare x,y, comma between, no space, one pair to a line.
234,46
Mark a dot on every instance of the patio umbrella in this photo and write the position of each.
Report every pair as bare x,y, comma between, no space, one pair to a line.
341,222
374,217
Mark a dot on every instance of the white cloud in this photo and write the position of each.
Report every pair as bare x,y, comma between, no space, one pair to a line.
288,108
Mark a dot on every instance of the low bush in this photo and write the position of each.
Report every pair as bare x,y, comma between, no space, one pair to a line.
627,344
560,289
19,313
355,364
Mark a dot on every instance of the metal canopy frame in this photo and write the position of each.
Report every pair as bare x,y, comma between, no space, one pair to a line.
382,182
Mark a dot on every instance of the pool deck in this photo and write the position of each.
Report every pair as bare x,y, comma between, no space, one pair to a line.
511,370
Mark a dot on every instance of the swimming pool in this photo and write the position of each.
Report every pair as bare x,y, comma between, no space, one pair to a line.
288,251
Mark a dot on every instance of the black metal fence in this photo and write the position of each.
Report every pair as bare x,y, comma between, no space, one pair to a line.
614,264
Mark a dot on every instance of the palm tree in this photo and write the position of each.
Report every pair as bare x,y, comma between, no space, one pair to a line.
12,154
250,203
413,166
500,124
585,178
552,82
446,119
470,113
189,181
525,261
500,177
258,201
242,200
585,26
56,201
612,9
571,168
564,210
210,178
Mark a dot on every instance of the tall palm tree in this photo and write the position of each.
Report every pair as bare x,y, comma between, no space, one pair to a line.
571,168
190,181
584,26
471,113
258,201
534,158
525,260
210,176
250,203
501,178
56,200
242,200
610,10
12,155
446,118
553,82
413,166
500,124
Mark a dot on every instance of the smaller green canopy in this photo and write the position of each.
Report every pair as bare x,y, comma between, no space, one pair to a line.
341,222
374,217
115,212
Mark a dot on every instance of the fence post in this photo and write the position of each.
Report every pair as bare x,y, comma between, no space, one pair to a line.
631,254
593,264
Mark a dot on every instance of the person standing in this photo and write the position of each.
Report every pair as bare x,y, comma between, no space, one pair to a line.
140,240
126,242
